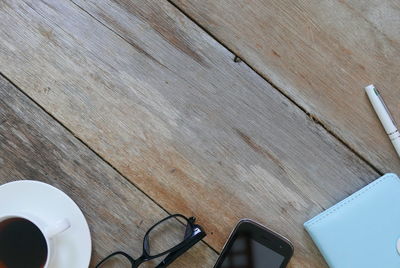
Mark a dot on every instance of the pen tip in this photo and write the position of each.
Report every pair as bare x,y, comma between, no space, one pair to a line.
370,87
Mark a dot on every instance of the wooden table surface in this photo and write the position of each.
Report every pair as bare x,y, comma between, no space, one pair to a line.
137,110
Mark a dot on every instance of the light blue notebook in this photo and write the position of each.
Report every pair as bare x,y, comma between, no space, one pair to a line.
363,230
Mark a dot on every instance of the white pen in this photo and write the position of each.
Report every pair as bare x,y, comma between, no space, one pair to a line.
385,116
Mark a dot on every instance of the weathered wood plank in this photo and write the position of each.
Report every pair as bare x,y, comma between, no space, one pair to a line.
34,146
166,105
321,54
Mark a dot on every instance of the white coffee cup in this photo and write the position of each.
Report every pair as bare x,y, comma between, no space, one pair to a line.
48,229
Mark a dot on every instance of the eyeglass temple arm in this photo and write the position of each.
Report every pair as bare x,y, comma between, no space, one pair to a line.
190,227
174,255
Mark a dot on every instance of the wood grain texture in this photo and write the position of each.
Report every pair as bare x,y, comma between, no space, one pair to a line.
34,146
168,107
321,54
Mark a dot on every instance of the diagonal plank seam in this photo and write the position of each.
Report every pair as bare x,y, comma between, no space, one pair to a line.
87,146
240,59
270,177
139,49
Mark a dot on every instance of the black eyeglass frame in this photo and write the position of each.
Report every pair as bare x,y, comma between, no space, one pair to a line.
193,234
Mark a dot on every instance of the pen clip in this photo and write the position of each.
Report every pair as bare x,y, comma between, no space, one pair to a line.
384,105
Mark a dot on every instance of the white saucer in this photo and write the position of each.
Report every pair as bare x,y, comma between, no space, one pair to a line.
73,248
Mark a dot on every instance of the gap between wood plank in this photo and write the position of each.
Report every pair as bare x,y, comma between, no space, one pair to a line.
315,120
242,59
252,136
87,146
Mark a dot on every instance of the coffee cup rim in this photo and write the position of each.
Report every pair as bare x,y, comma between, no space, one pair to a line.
38,223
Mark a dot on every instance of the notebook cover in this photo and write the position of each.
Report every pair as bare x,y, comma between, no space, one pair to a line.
363,230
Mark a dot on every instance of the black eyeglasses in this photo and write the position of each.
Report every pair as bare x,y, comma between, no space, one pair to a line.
167,237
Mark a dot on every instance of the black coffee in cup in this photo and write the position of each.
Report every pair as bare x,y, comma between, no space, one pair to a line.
22,244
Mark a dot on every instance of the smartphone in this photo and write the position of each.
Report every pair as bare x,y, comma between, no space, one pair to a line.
252,245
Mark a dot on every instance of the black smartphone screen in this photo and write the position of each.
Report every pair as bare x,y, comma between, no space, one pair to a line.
246,252
252,245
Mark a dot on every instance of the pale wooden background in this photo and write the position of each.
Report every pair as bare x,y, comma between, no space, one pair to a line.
141,101
321,54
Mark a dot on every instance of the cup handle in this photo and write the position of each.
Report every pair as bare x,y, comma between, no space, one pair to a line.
56,228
